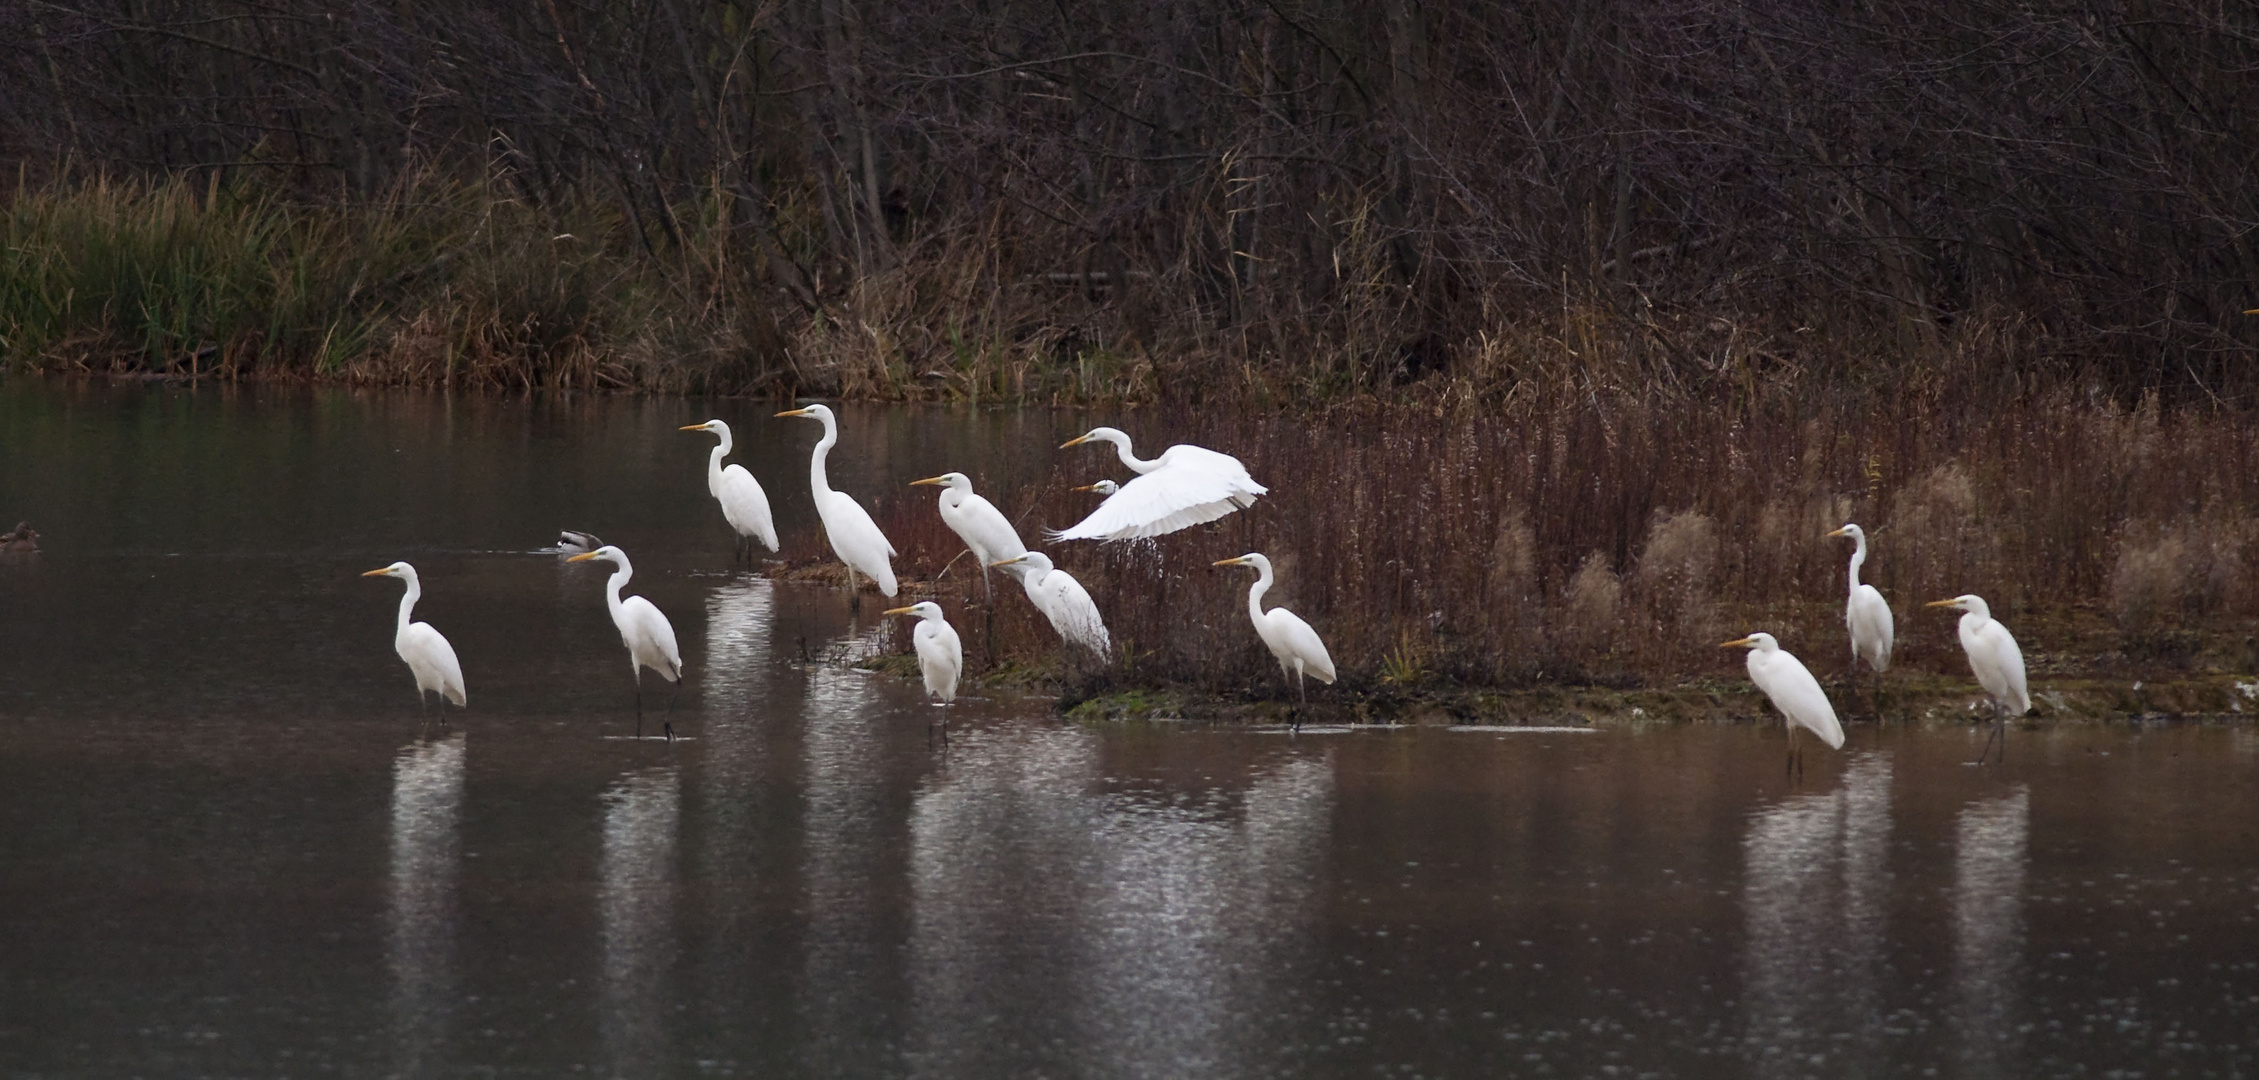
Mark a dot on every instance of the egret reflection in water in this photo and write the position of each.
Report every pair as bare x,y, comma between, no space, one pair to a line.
849,861
635,906
1815,889
1988,928
427,801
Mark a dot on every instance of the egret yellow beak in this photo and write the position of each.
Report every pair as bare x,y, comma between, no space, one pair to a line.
1085,487
1838,532
795,412
930,480
1239,561
1007,562
381,571
896,611
1076,441
1944,603
692,427
582,558
1743,642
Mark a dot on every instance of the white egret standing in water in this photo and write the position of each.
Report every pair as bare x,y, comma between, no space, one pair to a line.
1867,616
1997,662
1064,601
853,536
941,657
985,530
649,637
1183,487
429,656
1793,691
1298,648
744,505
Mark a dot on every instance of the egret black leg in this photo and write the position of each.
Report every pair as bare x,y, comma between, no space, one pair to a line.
639,708
670,716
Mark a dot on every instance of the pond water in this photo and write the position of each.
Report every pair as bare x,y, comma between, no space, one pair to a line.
229,845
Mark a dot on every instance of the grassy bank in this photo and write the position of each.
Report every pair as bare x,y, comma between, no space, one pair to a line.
1563,548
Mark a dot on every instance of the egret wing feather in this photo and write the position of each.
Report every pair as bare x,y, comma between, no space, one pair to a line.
746,505
941,658
1796,694
1072,612
1157,503
432,660
856,539
1292,639
649,637
984,529
1868,617
1998,664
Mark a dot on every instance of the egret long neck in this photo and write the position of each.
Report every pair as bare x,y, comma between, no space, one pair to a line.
714,466
1255,593
612,590
816,480
408,602
1122,450
1858,559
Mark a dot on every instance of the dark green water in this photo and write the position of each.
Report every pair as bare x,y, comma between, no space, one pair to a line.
228,846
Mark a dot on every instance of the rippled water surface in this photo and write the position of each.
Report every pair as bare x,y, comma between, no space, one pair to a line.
228,845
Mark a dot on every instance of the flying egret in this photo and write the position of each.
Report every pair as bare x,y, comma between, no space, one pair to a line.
744,505
1183,487
1867,616
941,657
984,528
649,637
1298,648
1062,600
854,537
427,652
1997,662
1793,691
571,542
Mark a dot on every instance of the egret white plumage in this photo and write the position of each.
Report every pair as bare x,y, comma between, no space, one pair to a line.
853,536
1867,616
1183,487
941,657
1298,648
430,658
744,505
1064,601
1997,663
1793,691
649,637
984,528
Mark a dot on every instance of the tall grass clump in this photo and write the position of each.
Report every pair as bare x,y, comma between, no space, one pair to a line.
1618,545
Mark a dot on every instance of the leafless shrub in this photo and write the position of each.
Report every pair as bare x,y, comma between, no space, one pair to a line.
1591,610
2180,569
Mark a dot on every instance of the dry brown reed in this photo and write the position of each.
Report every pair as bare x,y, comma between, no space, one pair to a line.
1484,550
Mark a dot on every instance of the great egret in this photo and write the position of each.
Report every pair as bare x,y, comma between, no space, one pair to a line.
1103,487
1064,601
744,505
854,537
941,657
1298,648
1183,487
649,637
1793,691
570,542
984,528
430,658
1997,662
1867,616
